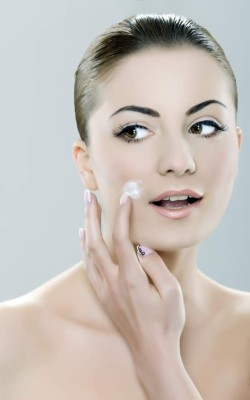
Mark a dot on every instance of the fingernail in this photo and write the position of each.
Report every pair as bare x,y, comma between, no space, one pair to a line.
144,251
123,198
82,234
87,196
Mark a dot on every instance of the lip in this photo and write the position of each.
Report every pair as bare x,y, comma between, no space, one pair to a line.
177,213
173,192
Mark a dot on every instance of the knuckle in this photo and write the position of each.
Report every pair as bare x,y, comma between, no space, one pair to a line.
92,247
117,238
171,290
130,281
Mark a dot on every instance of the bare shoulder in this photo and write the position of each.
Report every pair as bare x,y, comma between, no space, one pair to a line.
29,321
234,303
239,302
16,342
29,325
17,318
243,320
237,306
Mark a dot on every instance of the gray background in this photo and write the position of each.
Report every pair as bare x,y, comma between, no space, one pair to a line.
41,195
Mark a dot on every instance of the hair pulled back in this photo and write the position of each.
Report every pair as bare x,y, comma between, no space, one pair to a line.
131,35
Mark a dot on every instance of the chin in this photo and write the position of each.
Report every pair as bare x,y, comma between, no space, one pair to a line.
168,242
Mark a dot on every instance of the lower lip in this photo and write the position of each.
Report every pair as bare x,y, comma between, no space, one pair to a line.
176,213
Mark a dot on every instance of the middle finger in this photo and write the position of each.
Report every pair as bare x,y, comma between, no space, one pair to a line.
130,267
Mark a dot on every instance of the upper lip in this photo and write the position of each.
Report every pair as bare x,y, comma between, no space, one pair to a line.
173,192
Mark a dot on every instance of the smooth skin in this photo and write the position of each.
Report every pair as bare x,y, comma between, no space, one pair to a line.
59,341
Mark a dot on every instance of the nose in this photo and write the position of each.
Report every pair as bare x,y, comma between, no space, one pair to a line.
176,157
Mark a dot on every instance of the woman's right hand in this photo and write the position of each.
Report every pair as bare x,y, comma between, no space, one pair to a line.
147,315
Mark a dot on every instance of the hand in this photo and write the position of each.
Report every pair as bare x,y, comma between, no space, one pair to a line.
144,313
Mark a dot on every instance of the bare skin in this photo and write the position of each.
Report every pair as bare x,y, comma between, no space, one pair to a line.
58,342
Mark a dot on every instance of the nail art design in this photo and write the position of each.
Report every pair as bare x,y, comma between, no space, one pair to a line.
140,250
144,251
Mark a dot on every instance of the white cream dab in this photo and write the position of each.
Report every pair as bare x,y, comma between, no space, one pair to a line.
133,188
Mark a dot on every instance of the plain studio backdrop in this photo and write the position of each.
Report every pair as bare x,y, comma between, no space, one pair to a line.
41,195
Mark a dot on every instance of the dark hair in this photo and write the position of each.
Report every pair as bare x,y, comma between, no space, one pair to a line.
132,35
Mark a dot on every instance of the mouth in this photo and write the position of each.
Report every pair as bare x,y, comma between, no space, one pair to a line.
175,204
176,209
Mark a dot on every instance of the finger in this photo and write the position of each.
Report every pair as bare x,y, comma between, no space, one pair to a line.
130,268
95,245
99,212
156,269
92,271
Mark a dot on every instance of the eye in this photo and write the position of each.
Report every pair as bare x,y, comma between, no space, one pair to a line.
211,128
129,132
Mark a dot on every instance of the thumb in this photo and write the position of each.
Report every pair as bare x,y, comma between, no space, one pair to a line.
157,270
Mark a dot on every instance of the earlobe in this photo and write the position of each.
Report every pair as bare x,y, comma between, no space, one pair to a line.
239,136
82,160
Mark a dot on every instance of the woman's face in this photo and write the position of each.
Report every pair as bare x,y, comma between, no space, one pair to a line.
174,155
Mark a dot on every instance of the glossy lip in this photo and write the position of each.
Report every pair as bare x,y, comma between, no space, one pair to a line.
176,213
173,192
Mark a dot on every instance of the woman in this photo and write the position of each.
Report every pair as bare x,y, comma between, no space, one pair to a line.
156,103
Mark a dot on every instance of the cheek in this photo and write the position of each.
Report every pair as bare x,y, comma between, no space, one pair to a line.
219,175
223,167
115,167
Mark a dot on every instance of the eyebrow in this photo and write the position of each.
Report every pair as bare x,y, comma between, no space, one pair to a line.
154,113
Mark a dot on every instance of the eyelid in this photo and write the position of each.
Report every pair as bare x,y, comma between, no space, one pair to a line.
145,125
202,119
121,130
140,125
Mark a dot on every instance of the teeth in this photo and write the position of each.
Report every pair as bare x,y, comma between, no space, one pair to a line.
174,198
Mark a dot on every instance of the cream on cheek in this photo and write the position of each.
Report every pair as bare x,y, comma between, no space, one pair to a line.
133,188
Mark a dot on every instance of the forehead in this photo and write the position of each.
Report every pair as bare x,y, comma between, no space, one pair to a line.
178,76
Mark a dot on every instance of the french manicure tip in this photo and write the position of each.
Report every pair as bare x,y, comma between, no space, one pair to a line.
87,196
82,233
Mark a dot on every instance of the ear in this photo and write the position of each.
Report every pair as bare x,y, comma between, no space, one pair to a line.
239,139
82,159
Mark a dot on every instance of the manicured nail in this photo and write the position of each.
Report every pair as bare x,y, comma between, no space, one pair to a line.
144,251
87,196
123,198
82,234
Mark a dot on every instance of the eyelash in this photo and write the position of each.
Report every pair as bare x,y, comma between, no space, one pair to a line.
121,130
